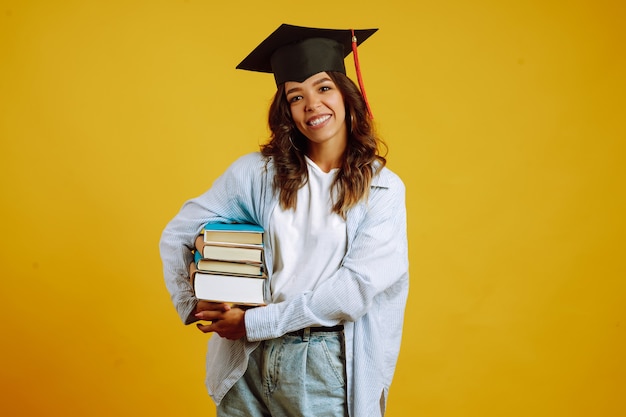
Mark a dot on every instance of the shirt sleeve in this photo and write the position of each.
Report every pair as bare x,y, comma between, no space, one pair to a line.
376,261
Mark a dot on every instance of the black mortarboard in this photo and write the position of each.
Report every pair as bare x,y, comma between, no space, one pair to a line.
294,53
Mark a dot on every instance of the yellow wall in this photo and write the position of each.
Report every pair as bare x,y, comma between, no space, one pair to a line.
506,122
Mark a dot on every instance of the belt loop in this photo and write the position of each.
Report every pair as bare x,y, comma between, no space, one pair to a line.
306,334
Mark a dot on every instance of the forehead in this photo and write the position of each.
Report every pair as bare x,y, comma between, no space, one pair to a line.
312,80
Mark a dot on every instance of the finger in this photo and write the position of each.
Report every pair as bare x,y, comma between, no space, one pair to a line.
212,306
209,315
204,328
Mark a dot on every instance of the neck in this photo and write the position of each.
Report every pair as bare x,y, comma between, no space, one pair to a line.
326,156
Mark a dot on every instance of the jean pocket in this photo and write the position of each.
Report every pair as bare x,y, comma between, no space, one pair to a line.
327,359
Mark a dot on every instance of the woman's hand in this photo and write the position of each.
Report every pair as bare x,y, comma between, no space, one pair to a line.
228,322
210,306
207,306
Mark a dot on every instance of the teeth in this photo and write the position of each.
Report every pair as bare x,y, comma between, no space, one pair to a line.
319,120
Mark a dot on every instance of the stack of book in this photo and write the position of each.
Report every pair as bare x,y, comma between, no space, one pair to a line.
229,268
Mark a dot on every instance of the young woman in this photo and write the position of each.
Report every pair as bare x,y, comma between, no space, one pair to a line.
335,247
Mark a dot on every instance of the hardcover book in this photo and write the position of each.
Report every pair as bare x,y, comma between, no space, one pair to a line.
232,267
244,233
233,253
236,289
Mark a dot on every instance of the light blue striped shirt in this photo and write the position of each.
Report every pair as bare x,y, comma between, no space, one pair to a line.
367,294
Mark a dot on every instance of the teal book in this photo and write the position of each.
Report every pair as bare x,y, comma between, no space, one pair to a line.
234,233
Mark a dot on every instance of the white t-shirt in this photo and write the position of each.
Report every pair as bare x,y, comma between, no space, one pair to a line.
310,242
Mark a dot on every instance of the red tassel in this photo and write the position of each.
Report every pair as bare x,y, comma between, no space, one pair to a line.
357,66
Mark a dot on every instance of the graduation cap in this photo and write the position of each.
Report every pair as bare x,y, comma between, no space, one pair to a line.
294,53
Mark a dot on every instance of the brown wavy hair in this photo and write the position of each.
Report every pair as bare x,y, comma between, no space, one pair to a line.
362,159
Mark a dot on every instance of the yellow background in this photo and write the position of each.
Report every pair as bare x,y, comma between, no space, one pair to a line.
506,121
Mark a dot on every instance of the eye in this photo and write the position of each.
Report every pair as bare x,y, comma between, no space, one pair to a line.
293,99
325,88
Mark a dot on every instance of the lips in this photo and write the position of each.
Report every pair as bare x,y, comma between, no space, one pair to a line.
318,120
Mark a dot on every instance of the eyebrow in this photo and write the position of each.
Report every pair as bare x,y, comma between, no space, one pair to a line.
316,82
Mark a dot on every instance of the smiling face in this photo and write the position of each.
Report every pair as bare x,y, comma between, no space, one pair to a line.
318,111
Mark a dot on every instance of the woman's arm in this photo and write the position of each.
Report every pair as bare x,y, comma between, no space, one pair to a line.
221,202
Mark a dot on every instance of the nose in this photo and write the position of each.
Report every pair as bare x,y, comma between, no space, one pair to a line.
312,103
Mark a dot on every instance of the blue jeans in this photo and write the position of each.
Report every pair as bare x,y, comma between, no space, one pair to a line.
292,376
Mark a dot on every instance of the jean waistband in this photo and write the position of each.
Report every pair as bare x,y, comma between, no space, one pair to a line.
337,328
